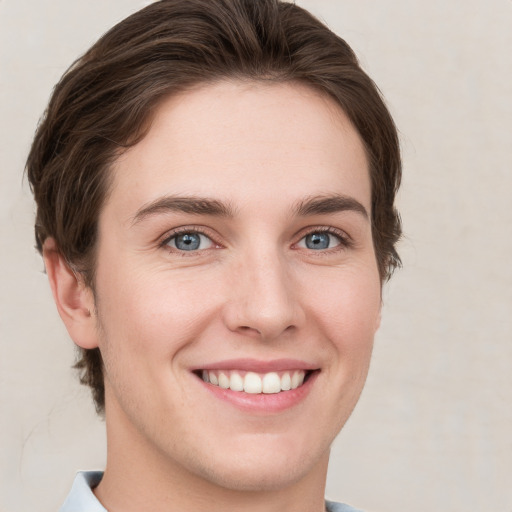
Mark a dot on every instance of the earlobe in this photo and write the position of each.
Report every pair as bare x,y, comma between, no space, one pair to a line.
74,300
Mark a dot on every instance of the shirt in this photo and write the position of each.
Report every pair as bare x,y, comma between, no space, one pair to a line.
82,499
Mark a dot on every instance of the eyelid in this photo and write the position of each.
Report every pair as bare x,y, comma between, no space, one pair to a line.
346,240
201,230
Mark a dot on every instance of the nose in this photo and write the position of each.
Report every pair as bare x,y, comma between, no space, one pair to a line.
264,299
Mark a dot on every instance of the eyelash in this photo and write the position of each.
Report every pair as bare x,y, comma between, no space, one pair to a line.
345,240
183,231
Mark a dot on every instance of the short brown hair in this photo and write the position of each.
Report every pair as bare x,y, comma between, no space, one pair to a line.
105,101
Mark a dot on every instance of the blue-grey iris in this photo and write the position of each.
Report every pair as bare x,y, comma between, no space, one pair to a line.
317,241
188,241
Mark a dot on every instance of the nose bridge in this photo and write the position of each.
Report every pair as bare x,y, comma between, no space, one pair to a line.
264,299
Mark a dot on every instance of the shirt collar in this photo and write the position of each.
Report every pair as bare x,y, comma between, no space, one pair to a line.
81,498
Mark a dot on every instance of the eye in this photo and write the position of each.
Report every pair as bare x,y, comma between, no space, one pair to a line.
189,241
320,240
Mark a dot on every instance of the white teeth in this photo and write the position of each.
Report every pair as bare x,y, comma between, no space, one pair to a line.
271,383
297,379
236,383
253,383
286,382
223,381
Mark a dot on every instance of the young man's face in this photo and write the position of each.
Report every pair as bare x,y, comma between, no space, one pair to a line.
236,243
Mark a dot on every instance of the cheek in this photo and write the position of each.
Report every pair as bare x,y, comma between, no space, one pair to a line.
153,311
348,308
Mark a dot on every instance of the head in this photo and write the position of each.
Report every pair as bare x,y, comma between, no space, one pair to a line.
106,103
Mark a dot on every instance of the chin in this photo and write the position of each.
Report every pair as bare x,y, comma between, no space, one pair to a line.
264,469
258,477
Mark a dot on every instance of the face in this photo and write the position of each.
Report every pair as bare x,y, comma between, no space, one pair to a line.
237,290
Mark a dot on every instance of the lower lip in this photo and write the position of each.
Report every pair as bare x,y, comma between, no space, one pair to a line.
262,403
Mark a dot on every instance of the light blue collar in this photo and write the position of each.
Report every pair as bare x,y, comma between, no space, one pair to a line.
81,498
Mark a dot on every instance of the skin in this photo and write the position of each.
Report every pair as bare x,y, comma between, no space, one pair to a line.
253,290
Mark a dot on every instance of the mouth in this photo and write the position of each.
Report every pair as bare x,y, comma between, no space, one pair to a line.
256,383
259,387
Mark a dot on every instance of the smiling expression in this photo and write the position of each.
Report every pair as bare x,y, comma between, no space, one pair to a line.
237,289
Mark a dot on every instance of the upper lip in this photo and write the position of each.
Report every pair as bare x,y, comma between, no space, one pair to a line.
259,366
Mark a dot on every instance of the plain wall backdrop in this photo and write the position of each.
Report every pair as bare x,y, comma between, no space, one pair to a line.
433,430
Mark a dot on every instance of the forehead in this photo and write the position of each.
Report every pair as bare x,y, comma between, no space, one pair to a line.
235,140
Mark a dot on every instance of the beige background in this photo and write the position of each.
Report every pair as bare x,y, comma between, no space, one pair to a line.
433,430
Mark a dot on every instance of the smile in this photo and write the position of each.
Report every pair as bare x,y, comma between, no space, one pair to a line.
255,383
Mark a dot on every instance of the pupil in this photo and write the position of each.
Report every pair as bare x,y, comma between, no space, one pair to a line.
188,242
317,241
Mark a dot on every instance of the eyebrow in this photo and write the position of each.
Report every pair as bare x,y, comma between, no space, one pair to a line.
191,205
316,205
321,205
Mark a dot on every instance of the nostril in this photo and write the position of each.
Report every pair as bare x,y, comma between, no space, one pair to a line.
248,330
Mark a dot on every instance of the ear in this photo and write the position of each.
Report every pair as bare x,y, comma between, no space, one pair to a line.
74,300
